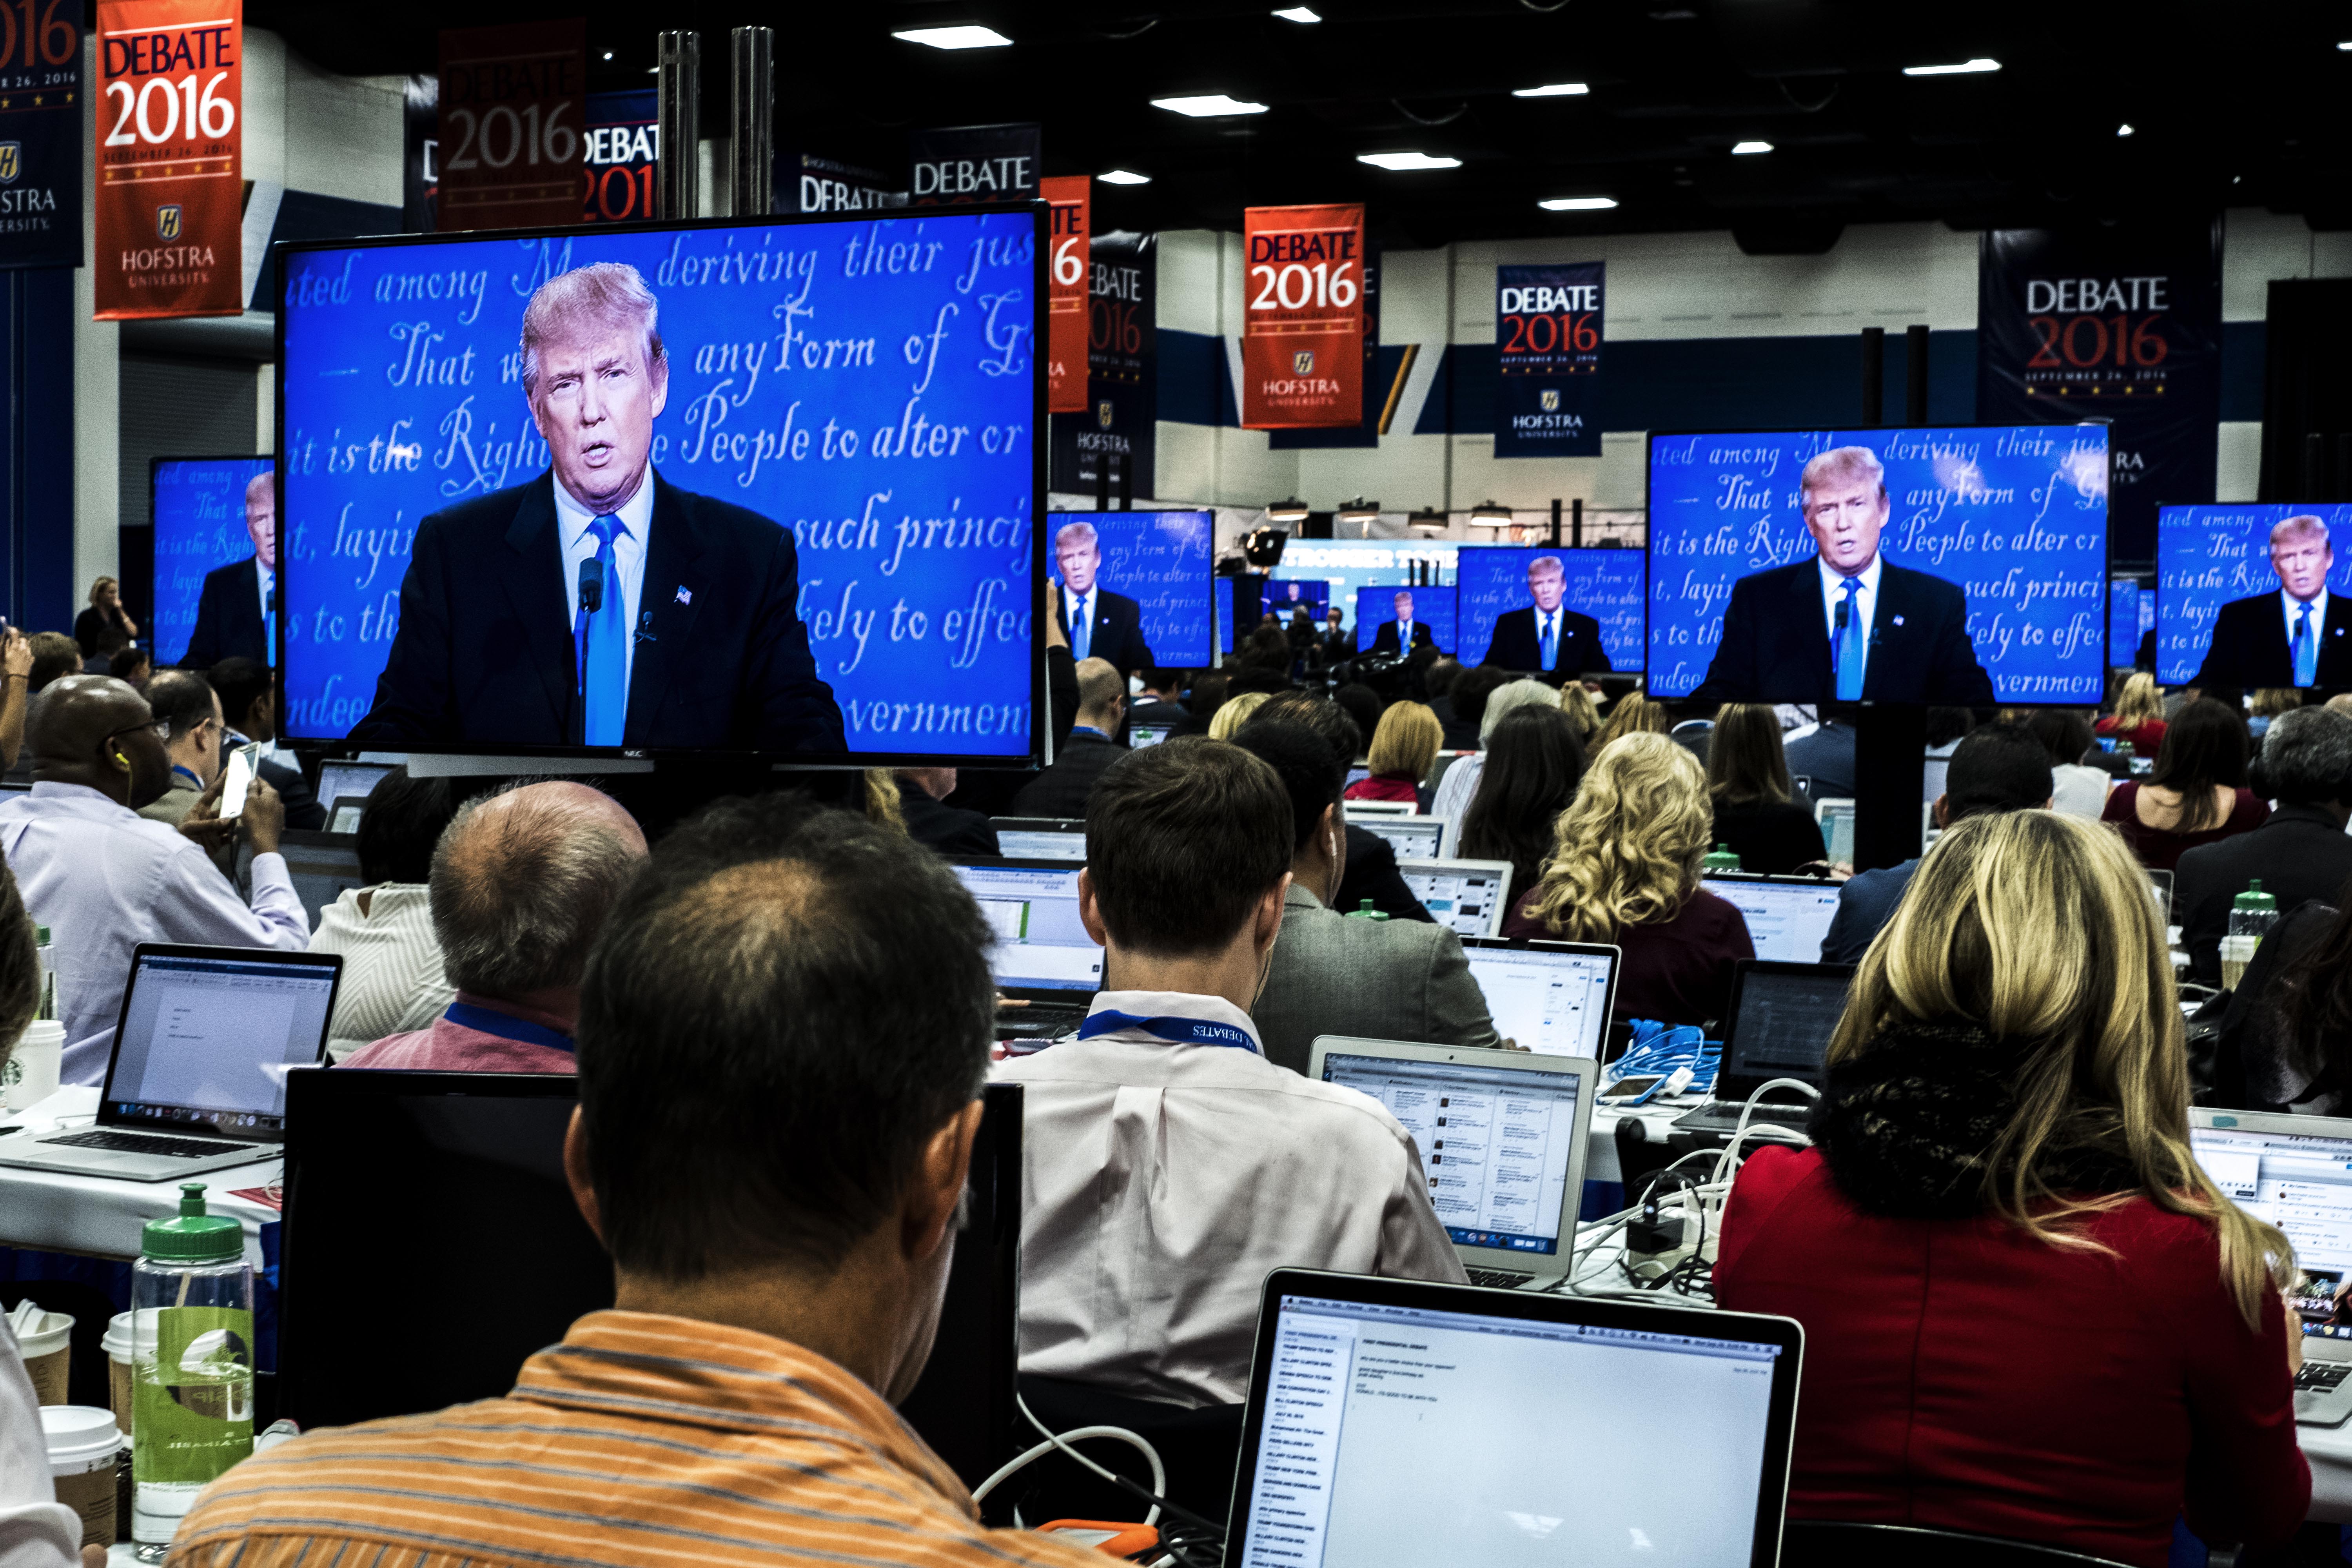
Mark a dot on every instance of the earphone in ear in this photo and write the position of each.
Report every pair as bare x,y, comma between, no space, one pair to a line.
121,761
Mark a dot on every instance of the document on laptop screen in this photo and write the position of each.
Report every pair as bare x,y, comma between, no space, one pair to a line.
1554,1002
1786,921
219,1035
1394,1434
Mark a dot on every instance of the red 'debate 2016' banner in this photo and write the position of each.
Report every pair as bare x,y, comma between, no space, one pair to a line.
170,191
1071,198
1303,317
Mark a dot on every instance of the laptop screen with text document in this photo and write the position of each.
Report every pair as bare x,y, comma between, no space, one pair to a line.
1786,921
1039,942
1543,1000
207,1042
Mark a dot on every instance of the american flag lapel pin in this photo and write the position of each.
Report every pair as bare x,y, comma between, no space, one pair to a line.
685,596
1898,620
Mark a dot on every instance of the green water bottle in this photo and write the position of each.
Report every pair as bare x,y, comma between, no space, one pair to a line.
1719,858
191,1388
1364,911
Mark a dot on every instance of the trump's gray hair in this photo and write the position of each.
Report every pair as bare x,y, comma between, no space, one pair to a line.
1860,461
2306,523
604,294
1077,532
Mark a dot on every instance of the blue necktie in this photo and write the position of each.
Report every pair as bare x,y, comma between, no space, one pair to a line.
2306,651
1550,642
1848,647
1080,628
602,641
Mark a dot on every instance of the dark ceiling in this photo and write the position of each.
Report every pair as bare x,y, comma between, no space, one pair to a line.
2230,105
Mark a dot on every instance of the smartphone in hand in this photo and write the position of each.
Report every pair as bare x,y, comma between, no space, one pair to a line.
243,764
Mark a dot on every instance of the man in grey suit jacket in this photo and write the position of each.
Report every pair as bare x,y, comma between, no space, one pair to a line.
1384,979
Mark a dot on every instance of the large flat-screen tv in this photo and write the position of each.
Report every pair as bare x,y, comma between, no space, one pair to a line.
1149,573
215,533
1590,601
1382,611
2235,584
766,486
1977,557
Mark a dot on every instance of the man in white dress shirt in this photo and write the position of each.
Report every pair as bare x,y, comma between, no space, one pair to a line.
103,879
1168,1165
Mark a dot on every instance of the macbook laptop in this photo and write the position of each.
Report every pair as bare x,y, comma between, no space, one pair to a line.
1041,838
1412,837
1041,954
1396,1421
1788,917
1501,1135
322,867
2296,1173
1470,895
1551,996
1781,1017
197,1079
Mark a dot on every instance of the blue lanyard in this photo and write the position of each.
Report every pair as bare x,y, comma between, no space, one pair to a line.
1176,1031
506,1026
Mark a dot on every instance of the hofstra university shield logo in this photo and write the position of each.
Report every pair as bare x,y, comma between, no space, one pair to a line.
167,221
1550,399
1303,362
12,161
1102,414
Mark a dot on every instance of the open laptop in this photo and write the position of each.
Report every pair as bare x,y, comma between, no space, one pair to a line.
1835,818
1781,1017
1141,735
1501,1135
1550,996
201,1050
2296,1173
1041,955
1374,810
1412,837
322,867
1396,1421
1470,895
341,782
1041,838
1786,917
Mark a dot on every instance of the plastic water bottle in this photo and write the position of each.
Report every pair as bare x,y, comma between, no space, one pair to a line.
2251,915
1719,858
48,1008
192,1397
1364,911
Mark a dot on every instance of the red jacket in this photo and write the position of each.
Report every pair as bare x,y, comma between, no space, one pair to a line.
1960,1374
1385,787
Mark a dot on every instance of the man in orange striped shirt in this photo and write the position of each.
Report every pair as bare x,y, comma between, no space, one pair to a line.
776,1117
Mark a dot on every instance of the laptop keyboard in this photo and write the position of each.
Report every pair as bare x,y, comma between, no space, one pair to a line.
1501,1279
148,1144
2322,1376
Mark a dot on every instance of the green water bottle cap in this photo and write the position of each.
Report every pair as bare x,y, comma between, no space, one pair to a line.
1719,858
193,1236
1364,911
41,935
2254,898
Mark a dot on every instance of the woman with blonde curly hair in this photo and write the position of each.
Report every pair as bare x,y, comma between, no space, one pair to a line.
1624,869
2028,1310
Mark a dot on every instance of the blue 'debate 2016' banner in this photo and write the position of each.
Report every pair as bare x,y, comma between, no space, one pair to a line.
1547,324
867,385
2016,517
43,114
2209,557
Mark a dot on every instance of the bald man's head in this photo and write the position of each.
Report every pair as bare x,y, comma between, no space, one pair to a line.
1100,692
93,730
521,884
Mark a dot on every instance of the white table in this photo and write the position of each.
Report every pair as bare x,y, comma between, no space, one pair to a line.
101,1216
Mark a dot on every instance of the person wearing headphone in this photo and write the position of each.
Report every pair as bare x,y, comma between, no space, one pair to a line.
103,879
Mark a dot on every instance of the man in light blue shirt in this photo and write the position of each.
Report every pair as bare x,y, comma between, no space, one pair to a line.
104,879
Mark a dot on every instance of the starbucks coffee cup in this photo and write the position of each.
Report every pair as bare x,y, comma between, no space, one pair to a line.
29,1074
48,1349
85,1447
120,1357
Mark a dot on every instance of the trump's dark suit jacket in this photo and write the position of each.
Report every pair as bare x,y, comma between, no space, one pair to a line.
1385,639
485,654
228,617
2250,648
1118,632
1515,644
1776,643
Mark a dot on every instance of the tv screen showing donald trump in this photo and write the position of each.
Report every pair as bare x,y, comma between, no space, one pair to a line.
1961,566
765,487
2250,596
215,594
1405,620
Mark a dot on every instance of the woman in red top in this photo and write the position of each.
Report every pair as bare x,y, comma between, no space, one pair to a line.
2027,1313
2138,715
1624,868
2197,794
1403,746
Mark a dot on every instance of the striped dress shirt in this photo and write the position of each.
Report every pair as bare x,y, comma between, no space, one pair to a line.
640,1440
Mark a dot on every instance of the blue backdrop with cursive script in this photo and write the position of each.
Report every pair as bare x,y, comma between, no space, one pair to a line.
1603,583
1161,561
2207,555
870,384
199,514
2016,515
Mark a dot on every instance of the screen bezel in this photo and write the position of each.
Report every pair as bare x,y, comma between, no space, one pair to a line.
1039,214
1566,549
1650,532
155,467
266,1129
1754,1327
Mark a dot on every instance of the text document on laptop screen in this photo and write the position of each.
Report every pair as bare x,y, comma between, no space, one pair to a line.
1040,943
1554,1002
1786,921
1401,1435
1495,1142
2299,1182
209,1039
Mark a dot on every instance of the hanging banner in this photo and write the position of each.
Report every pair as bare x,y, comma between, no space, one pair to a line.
1068,280
1122,415
1548,359
513,102
2122,324
1303,317
957,164
624,139
40,137
810,183
170,195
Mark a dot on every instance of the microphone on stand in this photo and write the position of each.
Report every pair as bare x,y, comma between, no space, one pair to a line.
592,586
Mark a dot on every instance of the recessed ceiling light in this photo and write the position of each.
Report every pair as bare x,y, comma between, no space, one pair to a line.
1752,147
1207,104
1297,14
1123,177
608,54
1407,161
966,38
2345,46
1965,67
1578,203
2123,129
1551,89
